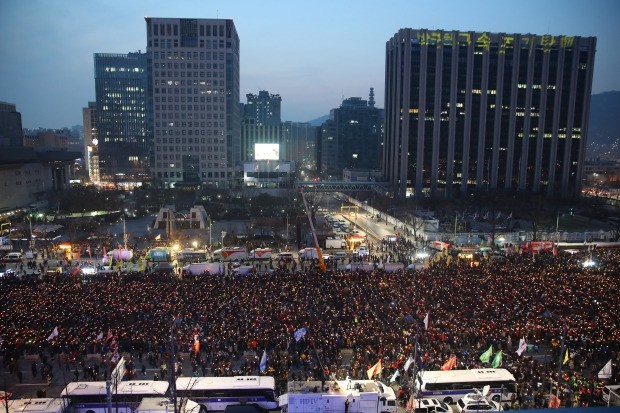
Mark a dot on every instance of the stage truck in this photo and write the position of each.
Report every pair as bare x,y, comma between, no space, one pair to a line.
230,254
363,396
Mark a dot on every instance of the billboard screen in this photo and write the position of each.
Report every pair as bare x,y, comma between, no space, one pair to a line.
266,151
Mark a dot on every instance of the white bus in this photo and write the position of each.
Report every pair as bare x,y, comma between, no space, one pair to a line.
450,385
215,393
91,396
42,405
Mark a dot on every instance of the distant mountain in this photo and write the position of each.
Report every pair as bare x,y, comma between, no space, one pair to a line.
318,121
604,123
604,119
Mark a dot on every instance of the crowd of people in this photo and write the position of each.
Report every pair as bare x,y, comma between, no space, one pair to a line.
457,309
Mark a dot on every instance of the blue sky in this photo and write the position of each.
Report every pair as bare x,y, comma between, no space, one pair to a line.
312,53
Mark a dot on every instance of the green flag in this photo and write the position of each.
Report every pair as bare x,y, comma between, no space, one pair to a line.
486,356
497,360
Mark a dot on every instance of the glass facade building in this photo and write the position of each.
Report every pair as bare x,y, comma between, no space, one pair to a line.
121,89
486,111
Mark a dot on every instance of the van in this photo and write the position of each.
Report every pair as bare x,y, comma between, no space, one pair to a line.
14,256
607,390
284,256
340,255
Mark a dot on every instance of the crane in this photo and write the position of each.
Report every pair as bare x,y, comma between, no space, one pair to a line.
319,253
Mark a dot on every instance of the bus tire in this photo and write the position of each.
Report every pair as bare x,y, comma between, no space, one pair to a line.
447,400
497,398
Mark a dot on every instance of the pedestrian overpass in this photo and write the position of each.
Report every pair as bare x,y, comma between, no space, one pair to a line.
342,186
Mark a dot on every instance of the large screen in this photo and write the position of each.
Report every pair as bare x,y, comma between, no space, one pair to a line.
266,151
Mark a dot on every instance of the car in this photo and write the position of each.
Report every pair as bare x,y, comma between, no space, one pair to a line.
362,251
8,272
476,402
430,405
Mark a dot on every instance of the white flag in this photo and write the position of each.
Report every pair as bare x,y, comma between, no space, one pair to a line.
426,321
300,333
54,334
522,346
394,376
605,372
408,363
100,336
263,362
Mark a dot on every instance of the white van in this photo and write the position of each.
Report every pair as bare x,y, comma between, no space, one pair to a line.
14,256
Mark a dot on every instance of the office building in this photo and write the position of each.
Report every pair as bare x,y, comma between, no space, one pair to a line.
352,137
121,90
264,108
485,111
11,134
195,111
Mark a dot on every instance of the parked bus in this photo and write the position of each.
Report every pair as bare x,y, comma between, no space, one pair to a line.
450,385
42,405
215,393
91,396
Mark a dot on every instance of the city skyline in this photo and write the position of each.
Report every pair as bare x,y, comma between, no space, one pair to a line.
312,55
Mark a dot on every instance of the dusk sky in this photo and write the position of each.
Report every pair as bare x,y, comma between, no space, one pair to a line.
311,53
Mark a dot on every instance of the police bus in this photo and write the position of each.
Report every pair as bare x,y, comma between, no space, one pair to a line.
216,393
450,385
91,396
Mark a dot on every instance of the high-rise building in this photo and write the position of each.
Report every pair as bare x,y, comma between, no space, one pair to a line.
121,90
11,134
352,137
195,111
91,142
264,108
486,111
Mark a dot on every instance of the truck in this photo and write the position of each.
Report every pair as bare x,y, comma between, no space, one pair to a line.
118,255
363,396
164,405
230,254
337,243
308,253
392,266
159,255
260,254
199,268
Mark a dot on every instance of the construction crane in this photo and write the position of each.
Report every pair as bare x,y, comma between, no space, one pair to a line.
319,253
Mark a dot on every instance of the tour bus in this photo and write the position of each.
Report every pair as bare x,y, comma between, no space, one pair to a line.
91,396
450,385
216,393
42,405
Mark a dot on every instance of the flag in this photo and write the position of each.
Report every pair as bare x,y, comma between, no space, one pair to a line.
450,364
54,334
99,336
394,376
300,333
376,369
426,320
158,237
522,346
486,356
605,372
109,337
497,360
408,363
554,401
486,216
509,216
566,358
263,362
